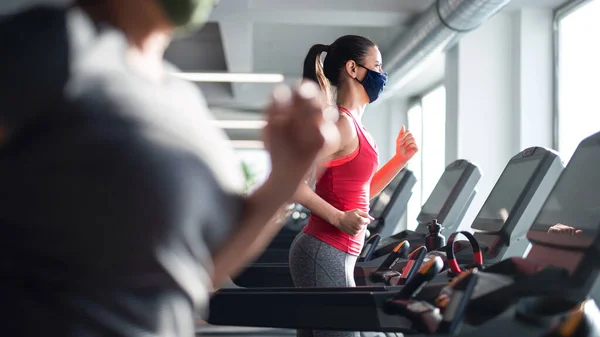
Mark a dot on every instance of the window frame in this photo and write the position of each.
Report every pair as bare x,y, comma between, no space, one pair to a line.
559,14
417,101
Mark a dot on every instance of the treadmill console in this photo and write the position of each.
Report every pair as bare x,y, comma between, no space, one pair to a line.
570,217
439,196
505,195
565,233
379,203
515,199
450,197
390,205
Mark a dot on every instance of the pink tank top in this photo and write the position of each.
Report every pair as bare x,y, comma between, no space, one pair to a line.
345,185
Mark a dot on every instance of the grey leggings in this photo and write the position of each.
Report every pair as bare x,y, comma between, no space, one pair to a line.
314,263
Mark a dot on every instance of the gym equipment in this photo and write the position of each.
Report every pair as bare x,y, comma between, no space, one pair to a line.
457,305
451,259
384,273
434,240
415,259
557,273
387,208
447,204
370,245
501,225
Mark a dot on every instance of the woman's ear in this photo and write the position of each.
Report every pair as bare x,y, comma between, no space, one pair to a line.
351,68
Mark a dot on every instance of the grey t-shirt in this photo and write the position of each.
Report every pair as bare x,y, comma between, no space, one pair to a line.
115,189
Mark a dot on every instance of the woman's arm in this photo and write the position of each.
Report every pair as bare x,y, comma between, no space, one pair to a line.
260,223
321,208
386,174
406,148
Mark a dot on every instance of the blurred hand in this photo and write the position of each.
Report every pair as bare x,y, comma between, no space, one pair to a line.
564,229
295,133
354,221
406,146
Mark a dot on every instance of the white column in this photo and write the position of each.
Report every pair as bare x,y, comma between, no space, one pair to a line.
480,112
534,84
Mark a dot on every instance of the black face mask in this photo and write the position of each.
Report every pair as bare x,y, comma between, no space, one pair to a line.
373,83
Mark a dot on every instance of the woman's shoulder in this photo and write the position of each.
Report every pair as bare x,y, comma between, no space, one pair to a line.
346,127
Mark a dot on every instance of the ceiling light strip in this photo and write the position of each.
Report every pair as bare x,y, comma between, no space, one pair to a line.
231,77
240,124
247,144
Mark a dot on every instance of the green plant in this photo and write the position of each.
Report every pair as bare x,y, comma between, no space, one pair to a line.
249,176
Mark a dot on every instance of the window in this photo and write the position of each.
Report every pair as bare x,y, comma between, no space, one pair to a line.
434,138
577,73
427,122
415,125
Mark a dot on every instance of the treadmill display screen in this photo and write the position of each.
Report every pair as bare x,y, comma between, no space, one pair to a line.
499,205
571,213
438,198
384,198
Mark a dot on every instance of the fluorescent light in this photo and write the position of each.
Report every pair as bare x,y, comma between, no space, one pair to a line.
241,124
231,77
247,144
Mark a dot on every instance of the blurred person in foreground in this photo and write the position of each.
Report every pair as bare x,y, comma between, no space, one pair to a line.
121,202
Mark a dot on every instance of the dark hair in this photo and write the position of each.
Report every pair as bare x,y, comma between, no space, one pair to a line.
344,49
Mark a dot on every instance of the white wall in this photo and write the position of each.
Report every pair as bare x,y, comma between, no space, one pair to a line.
384,121
499,90
534,64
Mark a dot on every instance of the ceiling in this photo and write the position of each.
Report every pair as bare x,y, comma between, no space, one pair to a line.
273,36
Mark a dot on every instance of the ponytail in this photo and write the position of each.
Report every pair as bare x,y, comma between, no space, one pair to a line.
313,69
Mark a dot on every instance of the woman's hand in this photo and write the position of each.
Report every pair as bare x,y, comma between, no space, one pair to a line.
564,229
352,222
406,146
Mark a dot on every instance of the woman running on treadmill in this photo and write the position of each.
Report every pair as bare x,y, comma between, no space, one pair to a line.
325,252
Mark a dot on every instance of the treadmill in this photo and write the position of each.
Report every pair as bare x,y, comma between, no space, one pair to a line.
447,204
559,264
389,206
456,184
501,225
573,202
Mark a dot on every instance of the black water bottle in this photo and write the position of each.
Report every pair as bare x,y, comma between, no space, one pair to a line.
434,240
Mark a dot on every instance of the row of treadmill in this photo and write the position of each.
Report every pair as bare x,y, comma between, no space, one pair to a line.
527,266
